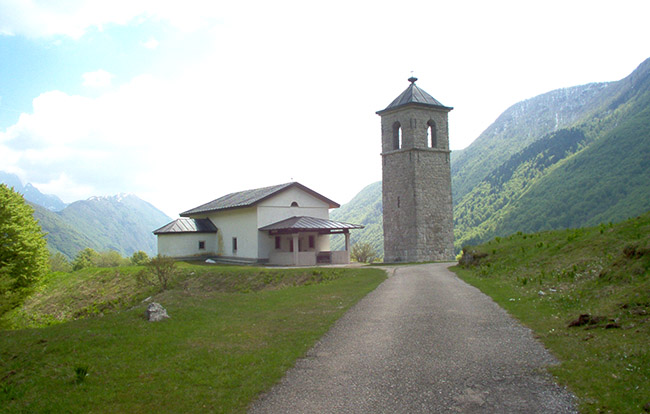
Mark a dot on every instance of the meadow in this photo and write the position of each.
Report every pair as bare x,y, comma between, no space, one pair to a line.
586,295
232,333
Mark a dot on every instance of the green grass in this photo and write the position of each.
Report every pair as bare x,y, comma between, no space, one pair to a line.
232,334
549,279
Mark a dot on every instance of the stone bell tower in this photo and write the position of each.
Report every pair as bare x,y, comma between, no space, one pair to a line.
416,178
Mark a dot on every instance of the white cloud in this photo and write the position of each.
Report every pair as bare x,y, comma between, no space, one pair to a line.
152,43
33,18
97,79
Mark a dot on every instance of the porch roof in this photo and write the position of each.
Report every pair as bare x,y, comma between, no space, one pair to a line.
299,224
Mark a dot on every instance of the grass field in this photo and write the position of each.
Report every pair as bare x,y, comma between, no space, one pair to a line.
233,332
547,280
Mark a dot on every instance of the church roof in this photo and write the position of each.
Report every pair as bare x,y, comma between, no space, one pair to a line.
414,95
250,198
187,225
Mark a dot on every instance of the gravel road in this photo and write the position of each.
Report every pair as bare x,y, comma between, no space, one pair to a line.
423,342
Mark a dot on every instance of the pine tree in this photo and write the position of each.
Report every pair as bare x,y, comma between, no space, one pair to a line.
23,250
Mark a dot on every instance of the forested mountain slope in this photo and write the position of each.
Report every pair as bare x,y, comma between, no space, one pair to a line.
123,223
596,170
568,158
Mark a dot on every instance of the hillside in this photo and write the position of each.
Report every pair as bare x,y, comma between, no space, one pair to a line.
586,295
568,158
61,236
31,193
364,209
123,223
595,171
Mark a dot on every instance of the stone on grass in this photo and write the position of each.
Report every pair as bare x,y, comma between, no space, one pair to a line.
155,312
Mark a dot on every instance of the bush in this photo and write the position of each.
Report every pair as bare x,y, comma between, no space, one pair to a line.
159,272
139,258
59,263
363,253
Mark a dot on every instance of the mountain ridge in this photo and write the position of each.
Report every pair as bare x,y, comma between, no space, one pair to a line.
121,222
568,158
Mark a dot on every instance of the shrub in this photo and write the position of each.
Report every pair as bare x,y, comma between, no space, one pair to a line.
159,272
59,263
139,258
363,253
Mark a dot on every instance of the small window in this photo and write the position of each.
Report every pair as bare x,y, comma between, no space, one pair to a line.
397,136
234,244
278,242
398,203
312,242
201,244
432,134
294,204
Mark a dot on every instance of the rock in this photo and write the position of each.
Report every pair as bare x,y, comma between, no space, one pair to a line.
210,261
155,312
582,320
541,293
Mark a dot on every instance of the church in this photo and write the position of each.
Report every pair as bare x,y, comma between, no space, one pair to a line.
286,224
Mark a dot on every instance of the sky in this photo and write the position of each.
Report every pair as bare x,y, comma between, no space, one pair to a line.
183,102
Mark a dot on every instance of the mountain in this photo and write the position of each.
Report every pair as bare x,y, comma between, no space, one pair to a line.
123,223
31,193
62,237
595,170
571,157
519,126
364,209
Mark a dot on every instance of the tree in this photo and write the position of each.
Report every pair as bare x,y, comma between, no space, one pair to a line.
139,258
85,258
23,250
363,253
59,263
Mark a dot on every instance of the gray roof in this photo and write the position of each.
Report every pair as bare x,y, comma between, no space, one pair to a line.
305,223
414,95
249,198
187,225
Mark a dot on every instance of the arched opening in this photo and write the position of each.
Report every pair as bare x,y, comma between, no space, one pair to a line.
397,136
432,134
294,204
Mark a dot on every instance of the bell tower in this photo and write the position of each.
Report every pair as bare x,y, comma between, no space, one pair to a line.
416,178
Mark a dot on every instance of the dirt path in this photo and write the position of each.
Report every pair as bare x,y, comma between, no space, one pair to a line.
422,342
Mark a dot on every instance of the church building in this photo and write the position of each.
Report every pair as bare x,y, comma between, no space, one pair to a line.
286,224
416,178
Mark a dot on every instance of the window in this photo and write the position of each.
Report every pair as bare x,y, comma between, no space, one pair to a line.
294,204
312,242
278,242
234,244
291,245
397,136
398,203
201,244
432,135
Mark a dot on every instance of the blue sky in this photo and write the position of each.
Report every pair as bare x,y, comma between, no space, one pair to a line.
182,104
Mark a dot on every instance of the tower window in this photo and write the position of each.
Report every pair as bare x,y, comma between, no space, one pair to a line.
294,204
432,134
397,136
234,244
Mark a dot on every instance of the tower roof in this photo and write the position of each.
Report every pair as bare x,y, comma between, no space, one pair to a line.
414,95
